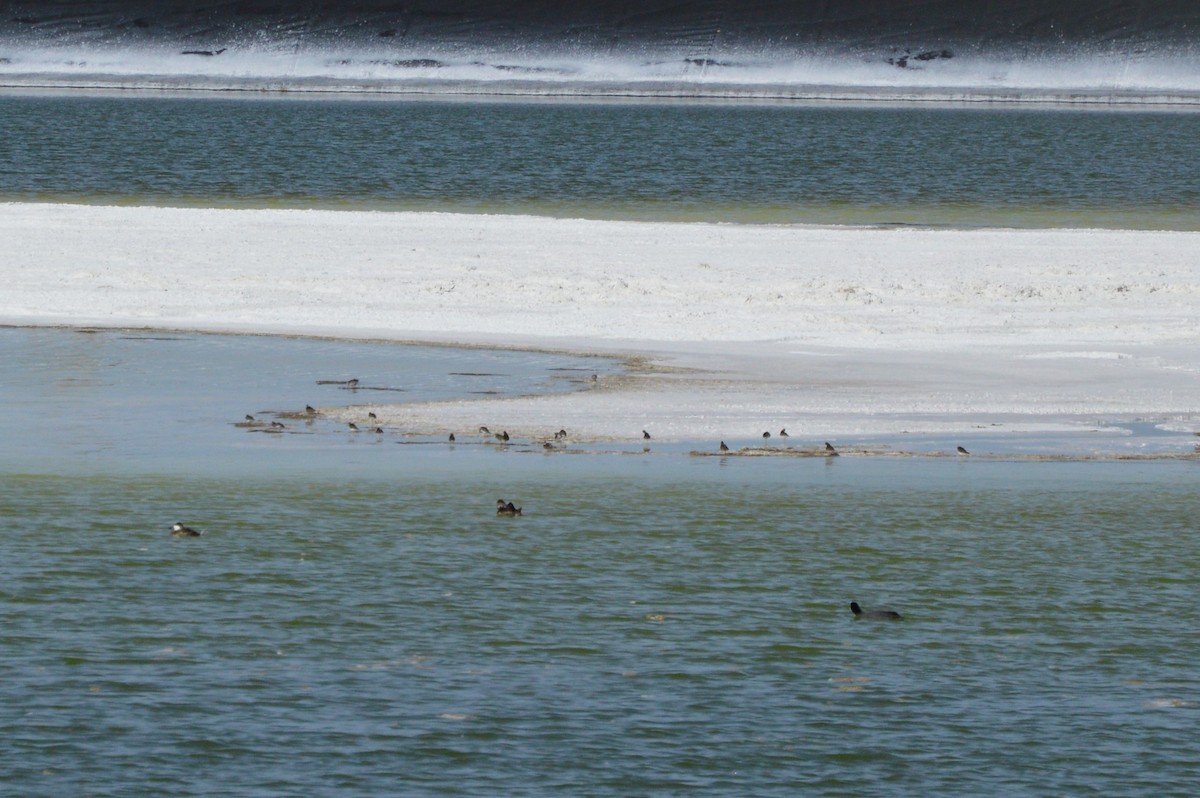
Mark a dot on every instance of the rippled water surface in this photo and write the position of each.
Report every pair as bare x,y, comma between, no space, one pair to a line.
646,627
652,624
915,164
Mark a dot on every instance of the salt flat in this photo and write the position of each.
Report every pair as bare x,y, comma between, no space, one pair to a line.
735,329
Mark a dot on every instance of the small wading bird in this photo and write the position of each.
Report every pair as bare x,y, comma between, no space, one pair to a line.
181,531
783,433
724,448
874,615
645,435
506,508
832,452
961,450
766,434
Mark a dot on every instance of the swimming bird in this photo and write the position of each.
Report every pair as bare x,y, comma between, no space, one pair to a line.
645,435
874,615
508,508
181,531
783,433
724,448
961,450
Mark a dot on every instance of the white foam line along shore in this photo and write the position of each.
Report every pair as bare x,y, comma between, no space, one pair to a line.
827,331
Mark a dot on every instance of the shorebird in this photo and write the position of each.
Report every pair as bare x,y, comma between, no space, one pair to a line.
352,383
310,409
181,531
353,427
832,452
452,437
277,425
874,615
502,436
379,430
249,417
547,445
371,415
783,433
724,448
766,434
645,435
961,450
484,431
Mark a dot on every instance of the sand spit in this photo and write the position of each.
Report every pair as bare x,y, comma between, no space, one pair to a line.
738,329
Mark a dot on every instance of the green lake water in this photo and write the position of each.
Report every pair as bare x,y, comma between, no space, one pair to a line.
672,626
357,621
747,162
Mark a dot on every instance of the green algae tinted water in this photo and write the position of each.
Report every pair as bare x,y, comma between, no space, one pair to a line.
717,162
667,627
356,619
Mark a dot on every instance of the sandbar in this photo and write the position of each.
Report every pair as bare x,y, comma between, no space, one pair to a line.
731,330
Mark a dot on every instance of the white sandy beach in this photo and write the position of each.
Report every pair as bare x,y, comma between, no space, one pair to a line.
827,331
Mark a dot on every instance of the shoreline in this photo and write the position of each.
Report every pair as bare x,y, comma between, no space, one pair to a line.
657,91
869,334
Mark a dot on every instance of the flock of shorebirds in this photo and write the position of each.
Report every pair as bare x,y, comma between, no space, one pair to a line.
310,413
559,438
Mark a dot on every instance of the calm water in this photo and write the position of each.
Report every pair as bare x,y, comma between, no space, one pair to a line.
720,162
652,625
150,401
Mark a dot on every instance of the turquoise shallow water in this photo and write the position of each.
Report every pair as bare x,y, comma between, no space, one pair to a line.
755,163
670,626
357,620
